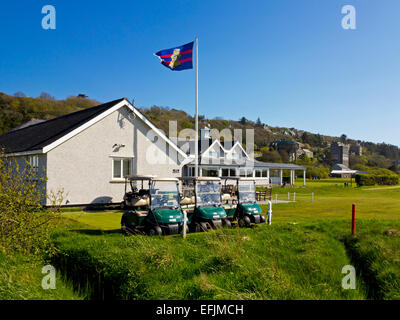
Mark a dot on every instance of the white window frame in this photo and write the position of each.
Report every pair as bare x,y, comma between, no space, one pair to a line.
121,159
34,163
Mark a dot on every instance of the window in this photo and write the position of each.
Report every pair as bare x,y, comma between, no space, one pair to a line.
34,163
261,173
235,155
246,172
122,167
228,172
213,154
209,172
190,171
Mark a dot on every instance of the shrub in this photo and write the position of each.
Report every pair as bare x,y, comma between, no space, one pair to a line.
24,225
365,180
373,179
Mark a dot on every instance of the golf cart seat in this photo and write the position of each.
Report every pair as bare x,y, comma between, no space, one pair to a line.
186,201
141,202
141,214
226,197
228,206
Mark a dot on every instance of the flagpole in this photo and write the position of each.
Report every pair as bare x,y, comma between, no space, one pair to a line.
196,143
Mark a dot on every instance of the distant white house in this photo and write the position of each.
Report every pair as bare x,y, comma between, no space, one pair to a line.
88,153
340,170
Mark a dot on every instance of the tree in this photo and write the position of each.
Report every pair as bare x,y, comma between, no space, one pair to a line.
243,120
46,96
19,94
355,160
284,155
259,123
343,138
304,159
271,156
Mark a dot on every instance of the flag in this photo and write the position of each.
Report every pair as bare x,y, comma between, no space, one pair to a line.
178,58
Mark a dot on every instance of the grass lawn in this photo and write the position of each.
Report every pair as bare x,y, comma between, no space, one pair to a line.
103,220
300,256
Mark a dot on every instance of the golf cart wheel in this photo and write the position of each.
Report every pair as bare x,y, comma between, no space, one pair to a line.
155,231
262,219
124,229
204,226
226,223
197,227
244,222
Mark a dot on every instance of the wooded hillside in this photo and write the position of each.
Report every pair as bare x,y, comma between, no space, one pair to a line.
16,110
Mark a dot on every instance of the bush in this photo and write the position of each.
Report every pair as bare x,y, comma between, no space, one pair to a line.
24,225
373,179
315,171
365,180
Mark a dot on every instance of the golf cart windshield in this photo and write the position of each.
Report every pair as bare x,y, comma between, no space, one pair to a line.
247,191
208,193
164,194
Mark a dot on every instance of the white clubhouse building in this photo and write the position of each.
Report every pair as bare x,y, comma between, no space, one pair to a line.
88,153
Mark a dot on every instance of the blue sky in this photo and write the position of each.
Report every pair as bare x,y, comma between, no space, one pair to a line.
288,62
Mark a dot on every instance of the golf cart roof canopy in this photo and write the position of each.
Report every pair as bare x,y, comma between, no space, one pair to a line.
201,178
149,178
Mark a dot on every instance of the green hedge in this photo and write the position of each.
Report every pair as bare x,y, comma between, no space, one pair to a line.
379,179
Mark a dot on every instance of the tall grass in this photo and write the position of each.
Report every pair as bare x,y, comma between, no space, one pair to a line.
268,262
21,279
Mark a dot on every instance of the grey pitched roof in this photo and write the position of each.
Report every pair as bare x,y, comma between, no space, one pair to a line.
28,124
40,135
340,166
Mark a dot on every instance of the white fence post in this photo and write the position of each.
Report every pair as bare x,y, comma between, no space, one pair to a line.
269,212
288,196
294,196
184,224
276,197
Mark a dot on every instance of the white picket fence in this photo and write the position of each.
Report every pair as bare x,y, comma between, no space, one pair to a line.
303,196
291,197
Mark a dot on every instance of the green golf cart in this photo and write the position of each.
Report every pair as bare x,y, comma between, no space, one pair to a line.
242,206
202,202
154,206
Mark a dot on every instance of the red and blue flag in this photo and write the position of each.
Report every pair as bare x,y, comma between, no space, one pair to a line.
178,58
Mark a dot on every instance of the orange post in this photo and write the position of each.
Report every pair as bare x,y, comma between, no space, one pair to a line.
353,220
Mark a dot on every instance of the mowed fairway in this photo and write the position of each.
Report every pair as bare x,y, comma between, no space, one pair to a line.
300,256
333,202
